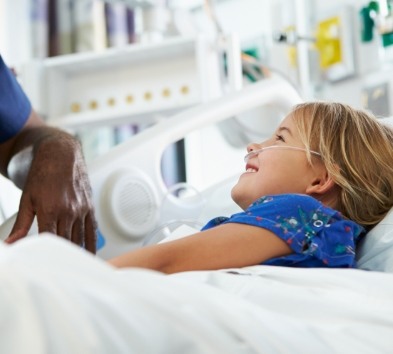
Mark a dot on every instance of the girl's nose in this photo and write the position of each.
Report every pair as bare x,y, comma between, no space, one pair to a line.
252,147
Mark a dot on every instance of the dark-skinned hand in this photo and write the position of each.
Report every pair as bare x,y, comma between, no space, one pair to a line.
57,192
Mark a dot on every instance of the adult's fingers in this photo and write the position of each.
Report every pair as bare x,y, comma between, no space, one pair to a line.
90,235
64,228
22,224
77,232
15,236
47,222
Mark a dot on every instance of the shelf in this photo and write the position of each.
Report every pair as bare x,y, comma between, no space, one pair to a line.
125,83
126,55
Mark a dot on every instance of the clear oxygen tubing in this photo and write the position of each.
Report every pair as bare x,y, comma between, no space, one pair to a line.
253,153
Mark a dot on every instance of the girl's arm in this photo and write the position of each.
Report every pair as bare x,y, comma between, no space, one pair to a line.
226,246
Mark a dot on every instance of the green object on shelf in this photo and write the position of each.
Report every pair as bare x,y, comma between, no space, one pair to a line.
367,24
374,5
387,39
253,52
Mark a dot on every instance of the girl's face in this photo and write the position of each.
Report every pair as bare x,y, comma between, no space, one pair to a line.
276,170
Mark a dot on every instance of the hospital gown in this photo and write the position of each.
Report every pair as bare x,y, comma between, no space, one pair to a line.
318,235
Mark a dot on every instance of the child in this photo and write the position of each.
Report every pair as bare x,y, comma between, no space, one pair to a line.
308,194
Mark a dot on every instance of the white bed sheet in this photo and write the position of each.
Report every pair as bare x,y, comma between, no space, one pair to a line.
56,298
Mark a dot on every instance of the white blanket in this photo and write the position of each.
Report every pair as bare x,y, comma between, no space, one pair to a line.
56,298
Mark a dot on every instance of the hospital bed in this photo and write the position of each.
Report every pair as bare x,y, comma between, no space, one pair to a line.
57,298
131,200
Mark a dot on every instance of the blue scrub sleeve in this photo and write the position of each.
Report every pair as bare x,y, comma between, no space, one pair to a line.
15,107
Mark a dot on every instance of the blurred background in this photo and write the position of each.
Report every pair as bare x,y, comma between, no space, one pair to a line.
106,70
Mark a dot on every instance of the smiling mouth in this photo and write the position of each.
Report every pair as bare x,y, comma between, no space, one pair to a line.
251,169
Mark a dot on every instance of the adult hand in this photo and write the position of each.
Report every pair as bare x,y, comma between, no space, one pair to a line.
57,191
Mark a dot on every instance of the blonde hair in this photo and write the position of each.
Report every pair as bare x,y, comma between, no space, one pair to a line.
357,151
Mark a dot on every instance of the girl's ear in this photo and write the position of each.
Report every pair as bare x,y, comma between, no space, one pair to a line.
321,184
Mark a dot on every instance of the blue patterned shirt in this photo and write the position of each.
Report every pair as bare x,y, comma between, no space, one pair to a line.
319,236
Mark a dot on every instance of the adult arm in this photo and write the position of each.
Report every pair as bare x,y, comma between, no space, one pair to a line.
230,245
48,165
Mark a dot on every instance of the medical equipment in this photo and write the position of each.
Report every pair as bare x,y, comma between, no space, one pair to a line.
137,84
377,15
97,94
332,38
254,153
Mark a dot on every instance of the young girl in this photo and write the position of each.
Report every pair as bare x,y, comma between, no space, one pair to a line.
308,194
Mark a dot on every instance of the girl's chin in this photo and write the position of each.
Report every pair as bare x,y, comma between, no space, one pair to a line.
234,194
237,198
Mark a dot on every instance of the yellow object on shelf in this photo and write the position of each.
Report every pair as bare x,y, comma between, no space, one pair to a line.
328,42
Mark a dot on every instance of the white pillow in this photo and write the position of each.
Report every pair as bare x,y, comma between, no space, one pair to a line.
387,120
375,251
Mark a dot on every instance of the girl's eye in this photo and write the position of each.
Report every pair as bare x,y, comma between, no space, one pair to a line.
280,138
